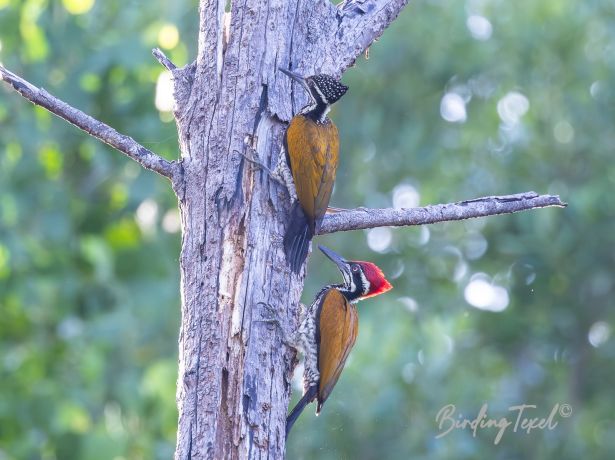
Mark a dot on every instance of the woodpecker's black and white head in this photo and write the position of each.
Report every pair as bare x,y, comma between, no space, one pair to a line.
324,90
361,279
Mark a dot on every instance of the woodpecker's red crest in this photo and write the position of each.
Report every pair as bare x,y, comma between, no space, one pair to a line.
378,284
361,279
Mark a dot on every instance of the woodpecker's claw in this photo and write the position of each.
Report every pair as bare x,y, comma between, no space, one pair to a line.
281,174
262,166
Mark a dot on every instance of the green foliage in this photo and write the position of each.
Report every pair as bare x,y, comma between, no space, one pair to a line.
89,299
88,275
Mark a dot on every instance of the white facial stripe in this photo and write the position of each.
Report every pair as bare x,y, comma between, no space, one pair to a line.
348,281
308,108
312,105
322,96
324,114
347,278
366,284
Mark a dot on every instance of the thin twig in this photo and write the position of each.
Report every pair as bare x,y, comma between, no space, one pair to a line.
97,129
163,59
361,218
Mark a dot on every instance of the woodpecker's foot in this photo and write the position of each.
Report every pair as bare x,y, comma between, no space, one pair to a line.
282,171
262,166
270,316
281,174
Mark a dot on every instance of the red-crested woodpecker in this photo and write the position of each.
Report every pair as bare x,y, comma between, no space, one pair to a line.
329,327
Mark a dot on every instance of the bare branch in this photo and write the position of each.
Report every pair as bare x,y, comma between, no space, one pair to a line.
360,23
360,218
164,61
95,128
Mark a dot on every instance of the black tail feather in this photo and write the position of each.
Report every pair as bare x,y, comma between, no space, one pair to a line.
297,239
307,398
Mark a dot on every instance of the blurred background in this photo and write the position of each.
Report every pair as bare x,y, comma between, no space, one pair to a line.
457,100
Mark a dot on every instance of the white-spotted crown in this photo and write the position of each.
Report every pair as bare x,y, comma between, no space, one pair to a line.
328,87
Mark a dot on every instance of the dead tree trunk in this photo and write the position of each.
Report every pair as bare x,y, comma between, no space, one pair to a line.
234,377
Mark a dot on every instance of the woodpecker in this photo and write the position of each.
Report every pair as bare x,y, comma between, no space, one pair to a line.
329,328
312,147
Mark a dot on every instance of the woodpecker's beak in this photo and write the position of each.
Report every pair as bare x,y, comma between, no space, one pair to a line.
295,76
341,263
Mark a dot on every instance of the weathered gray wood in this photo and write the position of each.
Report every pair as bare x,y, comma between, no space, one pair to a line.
234,377
93,127
163,59
361,218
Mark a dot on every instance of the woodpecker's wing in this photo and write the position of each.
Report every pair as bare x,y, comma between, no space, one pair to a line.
339,325
313,151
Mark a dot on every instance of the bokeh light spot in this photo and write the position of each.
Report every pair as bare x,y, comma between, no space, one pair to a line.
410,304
563,132
164,92
118,196
379,239
146,215
168,36
596,89
475,246
599,333
78,6
461,269
123,234
73,418
453,108
171,222
51,159
425,236
512,107
484,295
90,82
479,27
405,196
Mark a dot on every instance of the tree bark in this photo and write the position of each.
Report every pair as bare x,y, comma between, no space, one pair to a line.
234,376
234,371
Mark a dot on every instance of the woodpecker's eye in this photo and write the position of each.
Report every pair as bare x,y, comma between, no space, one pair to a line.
355,268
